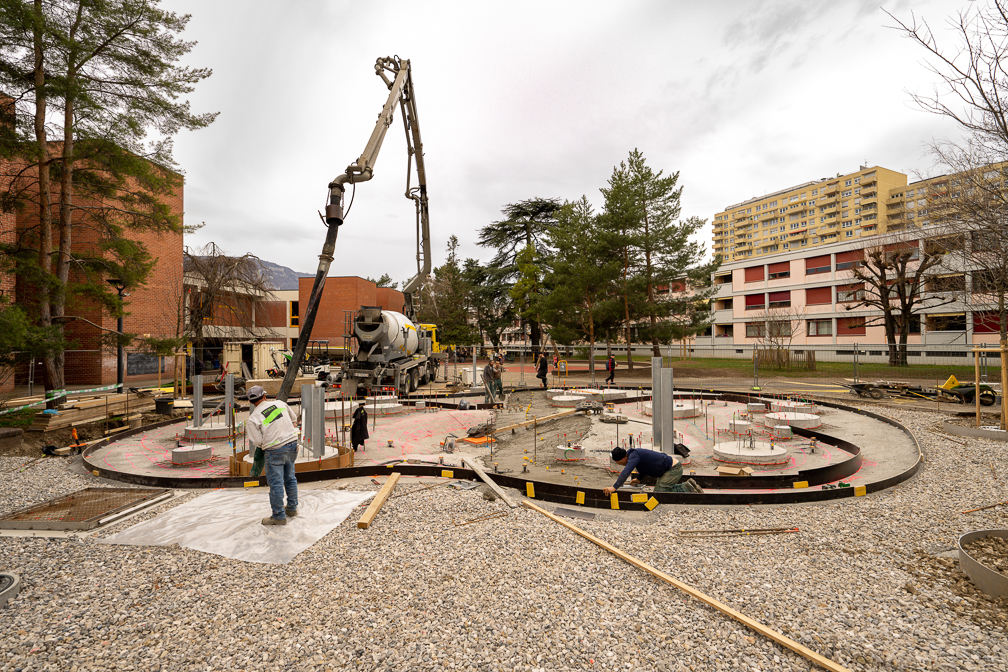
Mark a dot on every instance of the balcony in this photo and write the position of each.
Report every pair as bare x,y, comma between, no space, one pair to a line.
869,181
832,189
871,193
894,207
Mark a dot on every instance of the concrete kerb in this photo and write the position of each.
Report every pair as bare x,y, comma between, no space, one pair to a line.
975,432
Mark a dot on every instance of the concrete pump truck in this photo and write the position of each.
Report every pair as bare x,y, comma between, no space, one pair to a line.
390,349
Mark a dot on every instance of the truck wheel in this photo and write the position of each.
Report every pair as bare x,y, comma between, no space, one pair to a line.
425,376
987,398
414,376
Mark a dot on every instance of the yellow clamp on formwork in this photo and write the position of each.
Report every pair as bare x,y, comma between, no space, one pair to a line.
800,484
638,497
250,484
95,472
614,500
651,504
445,473
530,490
860,491
580,497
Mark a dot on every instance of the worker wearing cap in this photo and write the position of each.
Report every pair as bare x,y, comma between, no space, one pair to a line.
666,468
271,426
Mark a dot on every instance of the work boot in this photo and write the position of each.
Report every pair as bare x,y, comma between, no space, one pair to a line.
694,487
270,520
290,512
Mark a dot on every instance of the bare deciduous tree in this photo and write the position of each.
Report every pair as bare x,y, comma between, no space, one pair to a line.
224,291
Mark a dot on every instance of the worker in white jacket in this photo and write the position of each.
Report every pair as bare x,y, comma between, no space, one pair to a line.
272,426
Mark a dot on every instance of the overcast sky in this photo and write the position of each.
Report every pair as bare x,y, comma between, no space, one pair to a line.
532,99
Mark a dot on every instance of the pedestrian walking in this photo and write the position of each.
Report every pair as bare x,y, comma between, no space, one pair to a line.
611,368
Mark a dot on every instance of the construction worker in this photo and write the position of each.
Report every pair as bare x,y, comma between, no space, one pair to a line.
358,430
272,427
666,468
541,369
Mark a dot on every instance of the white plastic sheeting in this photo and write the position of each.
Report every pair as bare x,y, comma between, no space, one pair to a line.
228,523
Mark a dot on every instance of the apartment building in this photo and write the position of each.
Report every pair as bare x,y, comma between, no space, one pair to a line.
813,214
813,294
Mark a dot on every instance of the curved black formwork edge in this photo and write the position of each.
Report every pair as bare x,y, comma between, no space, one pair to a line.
768,489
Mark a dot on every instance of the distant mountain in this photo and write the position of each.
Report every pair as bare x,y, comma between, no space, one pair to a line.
282,277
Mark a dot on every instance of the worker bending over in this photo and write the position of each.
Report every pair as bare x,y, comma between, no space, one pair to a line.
666,468
271,426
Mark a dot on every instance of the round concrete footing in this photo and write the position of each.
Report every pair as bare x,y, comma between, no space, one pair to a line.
385,408
742,452
381,399
206,433
788,406
10,586
556,392
614,418
566,400
755,408
198,452
740,426
685,409
647,408
803,420
568,453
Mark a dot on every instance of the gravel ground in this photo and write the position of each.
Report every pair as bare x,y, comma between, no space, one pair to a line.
867,582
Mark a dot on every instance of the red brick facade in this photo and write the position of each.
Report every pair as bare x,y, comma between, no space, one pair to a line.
340,295
151,310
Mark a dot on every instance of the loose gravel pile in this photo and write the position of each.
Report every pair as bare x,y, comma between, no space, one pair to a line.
869,582
991,552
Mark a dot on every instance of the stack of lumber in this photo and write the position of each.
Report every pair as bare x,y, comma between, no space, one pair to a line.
84,410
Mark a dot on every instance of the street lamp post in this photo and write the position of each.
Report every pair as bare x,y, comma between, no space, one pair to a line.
119,287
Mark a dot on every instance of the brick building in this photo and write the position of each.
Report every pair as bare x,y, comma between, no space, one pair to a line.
151,310
341,296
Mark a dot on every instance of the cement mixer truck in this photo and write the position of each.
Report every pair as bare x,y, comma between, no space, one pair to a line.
391,351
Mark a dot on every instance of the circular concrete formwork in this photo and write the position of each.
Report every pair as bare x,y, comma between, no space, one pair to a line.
986,579
381,399
802,420
556,392
569,453
740,426
206,433
566,400
685,408
789,406
760,452
330,451
10,586
198,452
385,408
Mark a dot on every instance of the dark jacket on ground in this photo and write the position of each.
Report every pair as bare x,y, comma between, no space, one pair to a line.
358,430
646,462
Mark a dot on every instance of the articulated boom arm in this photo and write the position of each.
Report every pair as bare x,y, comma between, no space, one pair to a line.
396,75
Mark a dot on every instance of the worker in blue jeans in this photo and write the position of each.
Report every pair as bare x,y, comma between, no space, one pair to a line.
272,427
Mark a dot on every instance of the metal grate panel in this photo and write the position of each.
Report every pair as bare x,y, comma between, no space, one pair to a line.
81,510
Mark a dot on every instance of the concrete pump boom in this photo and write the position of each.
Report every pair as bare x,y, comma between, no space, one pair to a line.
397,76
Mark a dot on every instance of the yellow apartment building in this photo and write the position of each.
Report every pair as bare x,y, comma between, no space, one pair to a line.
830,210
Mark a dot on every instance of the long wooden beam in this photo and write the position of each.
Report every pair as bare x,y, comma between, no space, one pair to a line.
769,633
379,499
545,418
486,479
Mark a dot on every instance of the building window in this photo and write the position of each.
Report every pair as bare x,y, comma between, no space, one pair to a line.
294,314
850,234
851,326
820,327
847,183
946,322
755,301
780,299
850,293
755,329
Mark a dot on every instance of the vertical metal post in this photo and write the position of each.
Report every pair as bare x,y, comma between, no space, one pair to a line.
307,392
228,398
318,422
668,426
856,363
1004,386
197,400
976,384
656,414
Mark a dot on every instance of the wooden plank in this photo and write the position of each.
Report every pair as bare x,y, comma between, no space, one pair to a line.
486,479
379,499
769,633
535,420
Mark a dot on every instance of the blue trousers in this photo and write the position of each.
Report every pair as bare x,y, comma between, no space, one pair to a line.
280,474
